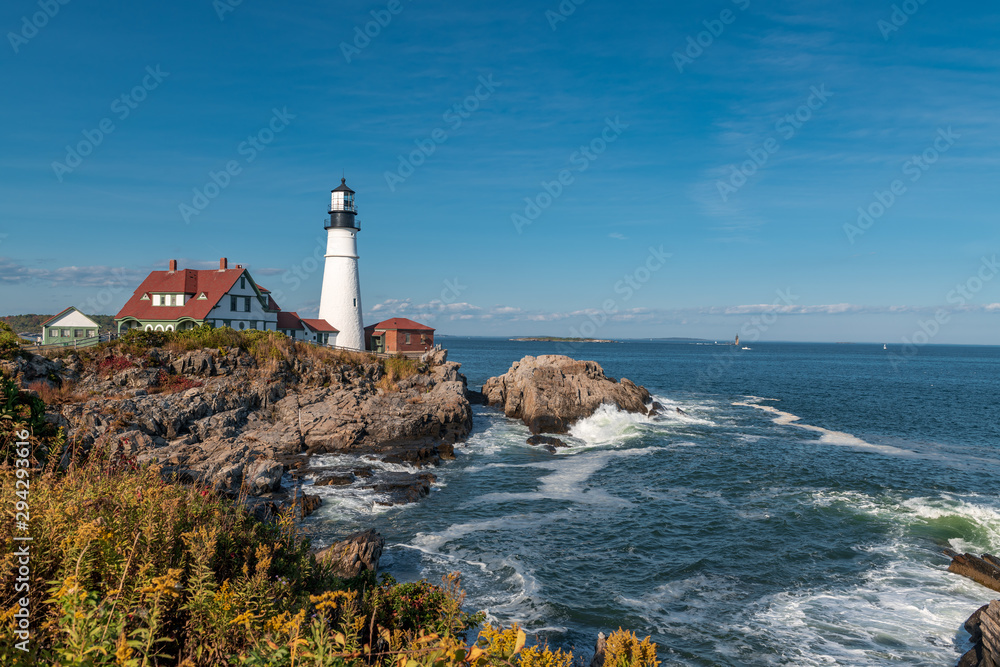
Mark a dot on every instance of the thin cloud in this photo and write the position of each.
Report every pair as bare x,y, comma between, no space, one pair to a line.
81,276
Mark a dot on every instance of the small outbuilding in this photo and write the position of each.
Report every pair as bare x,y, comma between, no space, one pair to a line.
68,327
320,332
399,336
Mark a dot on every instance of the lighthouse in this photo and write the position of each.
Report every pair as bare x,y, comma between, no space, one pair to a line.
340,301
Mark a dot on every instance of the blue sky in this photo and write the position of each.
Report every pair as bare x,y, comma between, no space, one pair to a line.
714,156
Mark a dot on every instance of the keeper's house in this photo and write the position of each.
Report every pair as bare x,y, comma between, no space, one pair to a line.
399,336
67,327
176,300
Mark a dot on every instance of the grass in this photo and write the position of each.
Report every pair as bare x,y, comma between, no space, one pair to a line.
272,352
395,369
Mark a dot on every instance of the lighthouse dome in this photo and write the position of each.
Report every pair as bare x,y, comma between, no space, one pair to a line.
342,207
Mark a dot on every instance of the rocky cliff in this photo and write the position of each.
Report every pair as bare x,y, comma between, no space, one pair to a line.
235,420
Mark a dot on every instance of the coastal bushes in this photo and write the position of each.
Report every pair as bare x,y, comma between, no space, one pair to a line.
129,569
22,410
10,342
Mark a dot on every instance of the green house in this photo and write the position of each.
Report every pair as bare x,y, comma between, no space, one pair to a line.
69,327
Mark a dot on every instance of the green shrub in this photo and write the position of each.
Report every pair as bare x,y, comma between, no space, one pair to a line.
10,342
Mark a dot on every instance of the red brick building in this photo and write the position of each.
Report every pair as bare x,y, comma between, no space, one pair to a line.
399,336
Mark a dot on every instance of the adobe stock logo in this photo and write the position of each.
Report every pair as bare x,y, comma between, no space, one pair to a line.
580,162
454,116
363,35
786,127
699,43
122,107
31,25
248,149
914,168
899,17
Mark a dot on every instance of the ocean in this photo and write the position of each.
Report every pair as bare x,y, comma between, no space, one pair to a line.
794,514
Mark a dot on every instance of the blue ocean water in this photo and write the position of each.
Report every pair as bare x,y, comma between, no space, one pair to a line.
794,515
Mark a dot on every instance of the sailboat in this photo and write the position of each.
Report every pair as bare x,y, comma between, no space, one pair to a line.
737,343
884,347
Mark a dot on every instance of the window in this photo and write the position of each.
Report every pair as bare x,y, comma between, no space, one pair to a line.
243,282
156,299
168,299
355,303
243,326
77,333
232,303
246,304
92,332
64,333
407,339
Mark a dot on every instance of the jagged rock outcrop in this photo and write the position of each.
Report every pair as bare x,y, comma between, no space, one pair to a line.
547,442
984,624
220,418
600,647
984,628
354,554
983,570
551,392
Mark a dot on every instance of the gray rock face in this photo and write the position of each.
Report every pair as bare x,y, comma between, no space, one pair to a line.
354,554
551,392
245,426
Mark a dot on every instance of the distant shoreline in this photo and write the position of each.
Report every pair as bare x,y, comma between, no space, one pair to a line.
555,339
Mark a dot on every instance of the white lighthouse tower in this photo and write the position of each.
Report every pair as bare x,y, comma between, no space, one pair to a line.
340,301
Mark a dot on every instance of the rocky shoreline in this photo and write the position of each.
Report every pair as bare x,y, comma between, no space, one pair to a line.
983,625
223,419
257,429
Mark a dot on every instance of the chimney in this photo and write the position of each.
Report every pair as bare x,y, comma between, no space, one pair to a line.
173,265
223,264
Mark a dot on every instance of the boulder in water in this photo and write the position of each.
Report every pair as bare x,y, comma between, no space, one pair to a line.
551,392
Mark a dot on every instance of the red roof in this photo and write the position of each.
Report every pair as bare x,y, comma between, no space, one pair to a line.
401,324
289,320
212,282
320,325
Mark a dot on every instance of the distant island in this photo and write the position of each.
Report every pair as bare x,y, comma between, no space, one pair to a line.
556,339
